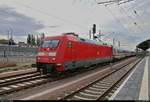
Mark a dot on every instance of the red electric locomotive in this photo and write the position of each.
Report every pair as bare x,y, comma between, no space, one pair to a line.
68,51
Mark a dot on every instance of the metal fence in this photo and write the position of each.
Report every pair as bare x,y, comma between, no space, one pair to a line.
17,54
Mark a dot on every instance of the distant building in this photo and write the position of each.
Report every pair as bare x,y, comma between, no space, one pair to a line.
3,41
22,44
7,42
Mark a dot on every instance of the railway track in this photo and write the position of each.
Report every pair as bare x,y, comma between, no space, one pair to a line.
2,65
8,75
13,80
102,88
13,67
16,83
25,80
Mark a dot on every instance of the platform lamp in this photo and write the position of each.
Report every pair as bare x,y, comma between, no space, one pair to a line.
113,41
89,34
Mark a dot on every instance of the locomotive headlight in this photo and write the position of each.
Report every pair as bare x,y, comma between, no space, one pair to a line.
53,59
38,58
59,64
52,53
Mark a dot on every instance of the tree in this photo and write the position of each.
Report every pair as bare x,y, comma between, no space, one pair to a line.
42,38
3,41
38,41
33,40
29,39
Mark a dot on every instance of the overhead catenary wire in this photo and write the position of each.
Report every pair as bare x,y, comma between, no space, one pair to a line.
137,15
131,18
114,16
108,2
125,19
126,29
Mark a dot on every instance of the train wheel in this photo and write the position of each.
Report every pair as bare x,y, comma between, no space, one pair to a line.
38,68
44,70
56,73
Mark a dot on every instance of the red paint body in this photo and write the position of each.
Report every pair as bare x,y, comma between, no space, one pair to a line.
79,51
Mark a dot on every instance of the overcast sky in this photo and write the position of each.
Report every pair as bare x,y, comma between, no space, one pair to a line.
128,23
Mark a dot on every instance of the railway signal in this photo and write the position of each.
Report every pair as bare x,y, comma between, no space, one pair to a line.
94,30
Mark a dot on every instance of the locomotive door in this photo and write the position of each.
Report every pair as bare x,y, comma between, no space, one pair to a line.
74,54
71,46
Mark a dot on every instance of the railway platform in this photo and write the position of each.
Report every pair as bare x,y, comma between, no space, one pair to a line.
137,84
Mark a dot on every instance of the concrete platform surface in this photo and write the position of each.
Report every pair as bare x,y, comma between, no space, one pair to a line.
137,84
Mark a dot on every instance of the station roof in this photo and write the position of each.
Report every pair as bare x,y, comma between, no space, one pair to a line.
144,45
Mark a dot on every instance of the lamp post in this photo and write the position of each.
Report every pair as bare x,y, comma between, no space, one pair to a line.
10,37
119,45
89,34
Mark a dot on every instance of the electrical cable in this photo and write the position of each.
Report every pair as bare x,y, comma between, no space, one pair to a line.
130,17
127,18
124,18
137,15
117,20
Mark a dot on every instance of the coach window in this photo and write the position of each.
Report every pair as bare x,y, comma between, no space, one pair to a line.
69,44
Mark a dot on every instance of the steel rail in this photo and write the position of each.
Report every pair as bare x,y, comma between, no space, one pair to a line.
81,90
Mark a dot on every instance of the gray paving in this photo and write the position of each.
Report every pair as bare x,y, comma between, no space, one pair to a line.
131,89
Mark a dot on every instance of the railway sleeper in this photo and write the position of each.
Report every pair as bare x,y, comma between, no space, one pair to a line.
94,88
103,84
92,91
76,97
102,87
86,94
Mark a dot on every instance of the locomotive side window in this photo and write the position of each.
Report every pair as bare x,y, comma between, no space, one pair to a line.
50,44
69,44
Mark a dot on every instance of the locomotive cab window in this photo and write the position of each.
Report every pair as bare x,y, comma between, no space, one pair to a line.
50,44
69,45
